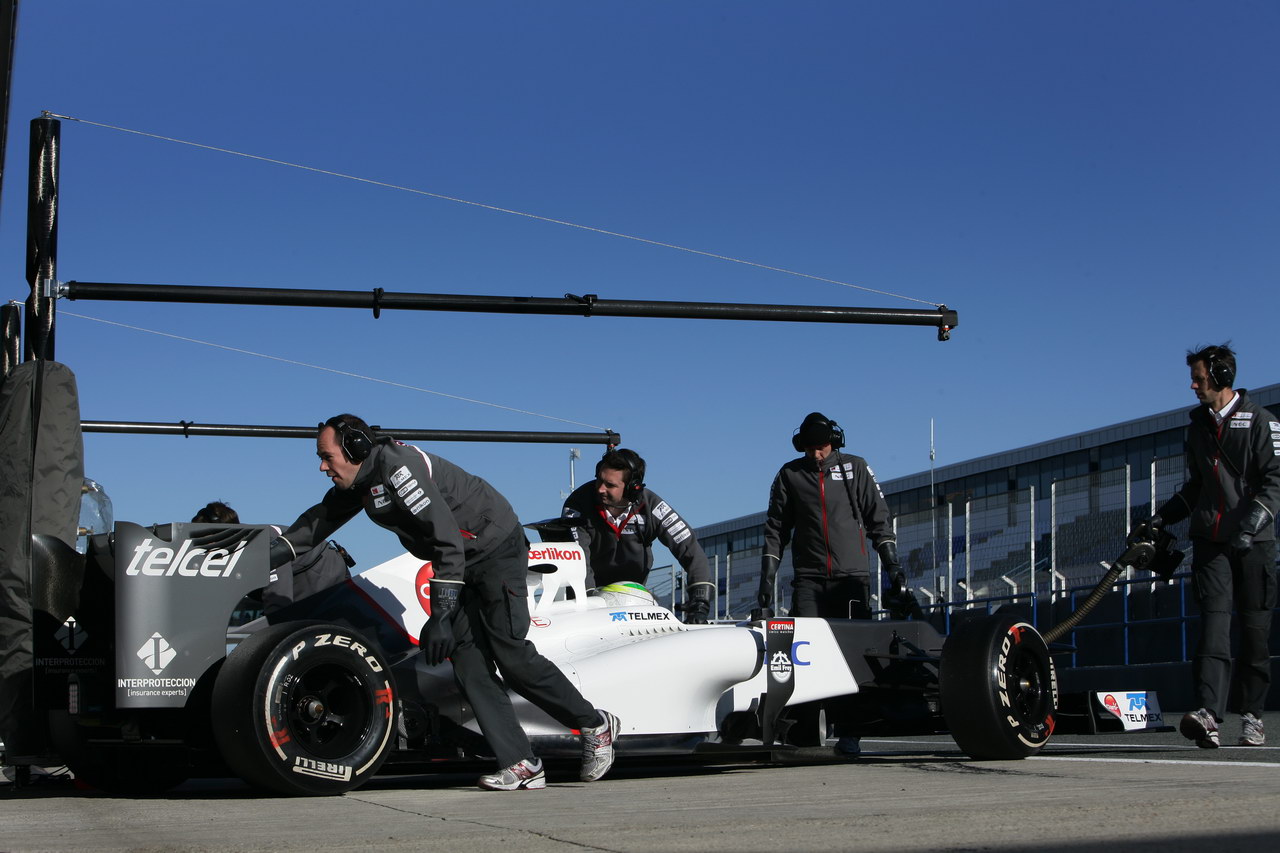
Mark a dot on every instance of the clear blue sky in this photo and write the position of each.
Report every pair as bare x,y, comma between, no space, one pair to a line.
1094,186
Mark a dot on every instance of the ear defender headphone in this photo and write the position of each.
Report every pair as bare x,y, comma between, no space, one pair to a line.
633,464
817,429
355,442
1222,374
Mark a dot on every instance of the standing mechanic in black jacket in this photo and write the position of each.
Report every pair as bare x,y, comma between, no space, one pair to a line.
621,519
827,504
479,612
1231,496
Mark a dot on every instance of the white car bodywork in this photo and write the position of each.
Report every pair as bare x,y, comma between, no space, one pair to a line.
627,654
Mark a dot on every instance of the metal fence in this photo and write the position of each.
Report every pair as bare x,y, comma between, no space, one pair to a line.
1036,548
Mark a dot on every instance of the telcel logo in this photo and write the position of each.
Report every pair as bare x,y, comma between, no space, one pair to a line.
189,562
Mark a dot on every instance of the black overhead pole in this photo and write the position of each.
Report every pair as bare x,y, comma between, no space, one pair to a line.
42,237
588,305
190,428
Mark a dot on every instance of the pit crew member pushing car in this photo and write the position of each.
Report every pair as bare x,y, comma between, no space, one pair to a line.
622,518
1231,495
826,504
479,613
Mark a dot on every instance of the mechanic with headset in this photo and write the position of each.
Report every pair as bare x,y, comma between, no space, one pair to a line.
621,518
826,504
479,610
1231,496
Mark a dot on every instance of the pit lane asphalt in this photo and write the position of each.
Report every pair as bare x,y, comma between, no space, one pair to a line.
1143,792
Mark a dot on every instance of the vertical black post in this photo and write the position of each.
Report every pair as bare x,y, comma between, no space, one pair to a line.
42,235
11,353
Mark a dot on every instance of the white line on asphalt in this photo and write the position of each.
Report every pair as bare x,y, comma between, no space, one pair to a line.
1154,761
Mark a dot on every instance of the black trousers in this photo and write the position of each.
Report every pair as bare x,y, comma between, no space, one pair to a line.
1220,579
491,627
840,597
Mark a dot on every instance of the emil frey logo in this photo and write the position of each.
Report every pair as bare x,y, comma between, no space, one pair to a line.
780,667
156,653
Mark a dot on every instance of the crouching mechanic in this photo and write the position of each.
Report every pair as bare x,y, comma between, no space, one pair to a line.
621,519
479,613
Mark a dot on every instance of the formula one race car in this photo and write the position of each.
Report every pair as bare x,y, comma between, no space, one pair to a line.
145,685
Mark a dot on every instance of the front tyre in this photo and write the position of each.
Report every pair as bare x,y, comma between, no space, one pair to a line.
305,709
998,688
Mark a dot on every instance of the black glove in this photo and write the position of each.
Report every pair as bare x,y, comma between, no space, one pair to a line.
281,552
698,608
764,597
226,538
1250,527
1146,531
437,641
891,567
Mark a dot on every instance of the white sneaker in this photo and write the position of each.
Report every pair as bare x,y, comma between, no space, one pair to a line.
523,775
597,748
1251,731
1201,727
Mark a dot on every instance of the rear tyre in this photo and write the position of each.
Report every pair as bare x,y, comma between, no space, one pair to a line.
998,688
305,709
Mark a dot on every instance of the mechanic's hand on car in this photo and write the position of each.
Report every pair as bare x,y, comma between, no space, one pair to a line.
437,641
282,552
225,538
698,608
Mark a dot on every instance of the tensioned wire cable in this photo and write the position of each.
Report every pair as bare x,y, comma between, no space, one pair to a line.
348,373
495,208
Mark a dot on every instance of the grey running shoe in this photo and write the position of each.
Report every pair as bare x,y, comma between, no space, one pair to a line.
597,748
1201,727
523,775
1251,731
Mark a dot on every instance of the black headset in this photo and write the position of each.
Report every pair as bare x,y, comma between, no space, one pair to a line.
817,429
634,466
355,442
1222,374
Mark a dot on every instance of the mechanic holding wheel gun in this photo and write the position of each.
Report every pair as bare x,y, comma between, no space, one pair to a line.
1231,495
479,612
827,503
620,519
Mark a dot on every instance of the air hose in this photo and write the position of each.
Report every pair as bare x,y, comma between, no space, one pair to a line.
1142,554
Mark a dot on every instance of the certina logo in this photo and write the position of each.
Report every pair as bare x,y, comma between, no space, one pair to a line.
162,561
156,653
322,769
780,667
555,554
625,615
779,627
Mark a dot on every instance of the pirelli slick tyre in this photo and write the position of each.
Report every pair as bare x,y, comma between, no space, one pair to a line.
998,688
305,709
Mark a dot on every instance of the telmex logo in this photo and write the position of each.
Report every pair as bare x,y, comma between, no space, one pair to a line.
187,562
